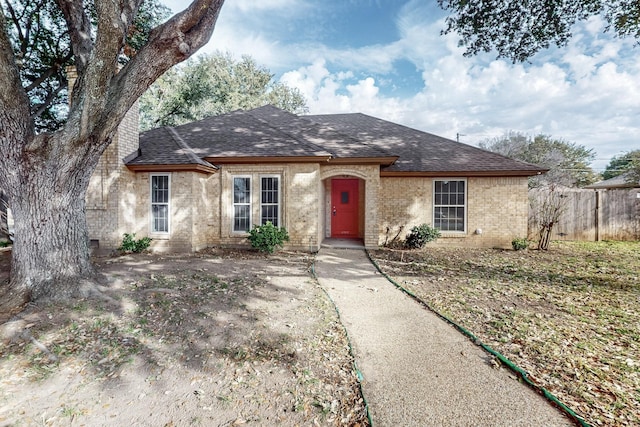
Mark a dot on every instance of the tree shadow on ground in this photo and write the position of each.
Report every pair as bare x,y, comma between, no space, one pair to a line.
181,325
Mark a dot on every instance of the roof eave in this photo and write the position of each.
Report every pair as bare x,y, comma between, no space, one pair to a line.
383,161
268,159
487,174
173,168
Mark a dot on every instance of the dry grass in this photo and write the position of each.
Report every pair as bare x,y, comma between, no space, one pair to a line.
223,338
568,316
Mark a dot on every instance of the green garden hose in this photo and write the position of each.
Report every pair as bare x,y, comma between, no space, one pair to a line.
503,359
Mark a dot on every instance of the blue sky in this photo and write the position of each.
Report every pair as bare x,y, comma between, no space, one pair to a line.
387,58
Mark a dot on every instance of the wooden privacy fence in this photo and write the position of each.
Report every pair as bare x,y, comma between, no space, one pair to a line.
591,214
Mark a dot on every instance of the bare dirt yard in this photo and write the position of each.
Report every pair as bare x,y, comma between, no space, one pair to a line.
219,338
569,316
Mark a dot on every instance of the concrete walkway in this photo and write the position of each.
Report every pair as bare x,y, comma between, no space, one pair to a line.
418,370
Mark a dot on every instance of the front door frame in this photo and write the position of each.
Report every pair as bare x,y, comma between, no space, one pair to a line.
345,208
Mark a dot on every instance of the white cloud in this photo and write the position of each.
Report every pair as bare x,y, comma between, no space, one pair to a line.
587,92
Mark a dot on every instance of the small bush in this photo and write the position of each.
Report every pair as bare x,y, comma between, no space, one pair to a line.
420,235
520,243
267,237
130,244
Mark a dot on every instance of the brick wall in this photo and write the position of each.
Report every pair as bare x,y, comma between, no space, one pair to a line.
108,203
299,206
190,206
495,206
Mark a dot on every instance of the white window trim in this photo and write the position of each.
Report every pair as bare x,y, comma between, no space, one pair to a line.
151,218
279,197
466,205
233,204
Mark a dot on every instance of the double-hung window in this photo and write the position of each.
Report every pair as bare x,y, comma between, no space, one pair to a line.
449,205
241,203
265,192
270,200
160,203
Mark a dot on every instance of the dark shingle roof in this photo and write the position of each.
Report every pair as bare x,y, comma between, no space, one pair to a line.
421,151
243,134
340,145
163,146
269,132
620,181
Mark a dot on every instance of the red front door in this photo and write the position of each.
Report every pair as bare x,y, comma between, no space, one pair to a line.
344,208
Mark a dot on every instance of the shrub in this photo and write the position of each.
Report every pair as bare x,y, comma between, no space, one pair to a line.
267,237
520,243
420,235
130,244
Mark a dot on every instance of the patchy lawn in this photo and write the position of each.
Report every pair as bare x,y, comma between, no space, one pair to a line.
216,339
569,316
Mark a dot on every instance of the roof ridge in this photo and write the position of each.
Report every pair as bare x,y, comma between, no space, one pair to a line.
189,151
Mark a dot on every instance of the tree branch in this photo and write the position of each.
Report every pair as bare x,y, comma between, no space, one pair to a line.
79,26
169,43
49,72
14,106
51,95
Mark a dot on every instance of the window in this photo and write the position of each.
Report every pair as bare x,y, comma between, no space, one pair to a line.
241,204
159,203
270,200
449,199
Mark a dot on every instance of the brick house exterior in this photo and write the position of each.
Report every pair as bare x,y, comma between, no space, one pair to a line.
206,183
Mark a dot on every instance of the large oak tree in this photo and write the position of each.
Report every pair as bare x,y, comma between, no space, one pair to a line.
46,174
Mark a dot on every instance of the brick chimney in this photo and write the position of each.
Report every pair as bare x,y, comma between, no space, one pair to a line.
108,202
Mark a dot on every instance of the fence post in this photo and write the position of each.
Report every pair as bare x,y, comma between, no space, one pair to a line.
597,216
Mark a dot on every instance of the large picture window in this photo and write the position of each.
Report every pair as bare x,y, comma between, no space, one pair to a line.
241,203
449,205
159,203
270,200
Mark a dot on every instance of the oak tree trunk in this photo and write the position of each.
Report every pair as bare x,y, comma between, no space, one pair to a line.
50,255
46,176
50,250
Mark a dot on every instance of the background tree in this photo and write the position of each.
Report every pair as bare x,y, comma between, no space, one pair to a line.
633,173
568,163
518,29
621,164
46,174
212,85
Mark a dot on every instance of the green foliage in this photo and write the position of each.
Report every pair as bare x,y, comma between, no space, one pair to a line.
520,243
622,164
267,237
519,29
130,244
420,235
568,162
212,85
40,39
